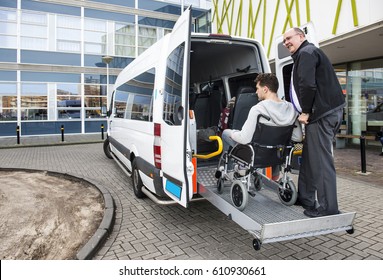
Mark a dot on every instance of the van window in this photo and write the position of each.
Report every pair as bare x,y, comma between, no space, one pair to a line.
134,99
120,101
173,86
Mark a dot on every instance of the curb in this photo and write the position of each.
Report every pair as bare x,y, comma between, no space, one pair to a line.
106,226
15,146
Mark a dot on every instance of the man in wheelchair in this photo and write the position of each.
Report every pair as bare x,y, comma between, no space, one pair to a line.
264,140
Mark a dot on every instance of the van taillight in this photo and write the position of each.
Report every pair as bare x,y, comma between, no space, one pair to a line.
157,145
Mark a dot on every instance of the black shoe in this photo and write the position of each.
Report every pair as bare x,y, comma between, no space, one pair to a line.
299,203
315,213
381,154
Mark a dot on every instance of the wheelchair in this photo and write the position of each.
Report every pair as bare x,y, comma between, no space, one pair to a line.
243,164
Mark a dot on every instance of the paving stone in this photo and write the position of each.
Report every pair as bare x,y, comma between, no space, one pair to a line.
144,230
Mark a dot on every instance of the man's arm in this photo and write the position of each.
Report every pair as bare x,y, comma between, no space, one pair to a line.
245,135
307,81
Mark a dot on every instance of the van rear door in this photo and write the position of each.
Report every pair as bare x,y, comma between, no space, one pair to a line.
175,148
284,62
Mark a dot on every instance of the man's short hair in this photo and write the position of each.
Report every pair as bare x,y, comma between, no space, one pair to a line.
269,80
299,31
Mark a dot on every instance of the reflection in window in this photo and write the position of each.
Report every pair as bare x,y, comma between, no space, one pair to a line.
95,90
68,114
34,95
125,39
147,36
364,96
95,36
34,114
8,114
68,33
34,31
120,102
8,98
68,89
133,100
173,86
8,29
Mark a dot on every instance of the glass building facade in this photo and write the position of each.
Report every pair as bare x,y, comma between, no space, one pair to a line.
53,70
362,83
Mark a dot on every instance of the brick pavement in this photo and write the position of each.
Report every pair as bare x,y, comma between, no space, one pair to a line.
145,230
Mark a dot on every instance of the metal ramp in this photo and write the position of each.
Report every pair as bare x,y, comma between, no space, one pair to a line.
266,218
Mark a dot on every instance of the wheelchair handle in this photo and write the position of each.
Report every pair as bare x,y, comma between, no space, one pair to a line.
216,153
262,116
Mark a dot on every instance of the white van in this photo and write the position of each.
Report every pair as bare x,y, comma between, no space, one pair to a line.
166,96
172,94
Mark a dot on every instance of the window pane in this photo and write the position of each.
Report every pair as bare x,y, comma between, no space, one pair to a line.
8,28
96,25
120,101
68,114
8,114
34,114
95,90
173,85
34,101
94,114
33,89
69,22
27,17
68,89
34,30
33,43
95,37
69,34
68,101
68,46
7,89
125,51
7,15
8,101
95,102
95,48
8,41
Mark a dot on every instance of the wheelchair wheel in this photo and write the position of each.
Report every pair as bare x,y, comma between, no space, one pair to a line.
220,185
239,195
289,195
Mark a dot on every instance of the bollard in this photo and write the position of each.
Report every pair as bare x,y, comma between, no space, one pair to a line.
102,132
18,134
62,133
363,153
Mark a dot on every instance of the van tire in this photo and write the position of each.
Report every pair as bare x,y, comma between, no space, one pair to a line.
137,182
107,150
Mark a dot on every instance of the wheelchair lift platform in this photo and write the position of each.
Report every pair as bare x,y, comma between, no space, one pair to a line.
266,218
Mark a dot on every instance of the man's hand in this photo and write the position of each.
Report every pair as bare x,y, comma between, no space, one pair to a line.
304,118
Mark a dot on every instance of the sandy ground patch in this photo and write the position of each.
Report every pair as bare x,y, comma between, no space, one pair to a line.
46,217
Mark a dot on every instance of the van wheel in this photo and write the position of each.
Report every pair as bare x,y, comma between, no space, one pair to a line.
137,182
107,150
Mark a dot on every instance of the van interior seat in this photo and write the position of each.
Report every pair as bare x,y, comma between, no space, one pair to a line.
201,110
215,105
246,98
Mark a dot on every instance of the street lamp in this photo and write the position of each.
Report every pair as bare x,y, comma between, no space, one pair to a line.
107,59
